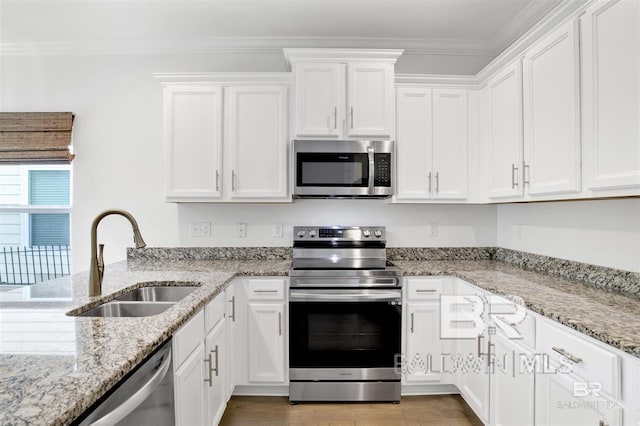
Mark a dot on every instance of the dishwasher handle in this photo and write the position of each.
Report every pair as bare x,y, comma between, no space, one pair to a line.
127,407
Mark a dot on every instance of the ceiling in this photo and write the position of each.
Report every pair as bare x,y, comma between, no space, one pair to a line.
450,26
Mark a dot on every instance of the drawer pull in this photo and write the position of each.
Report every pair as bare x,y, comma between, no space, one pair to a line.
480,337
265,291
426,290
503,319
567,355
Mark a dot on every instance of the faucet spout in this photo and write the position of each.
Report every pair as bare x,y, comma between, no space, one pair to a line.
96,270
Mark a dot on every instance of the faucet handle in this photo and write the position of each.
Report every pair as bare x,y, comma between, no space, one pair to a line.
100,260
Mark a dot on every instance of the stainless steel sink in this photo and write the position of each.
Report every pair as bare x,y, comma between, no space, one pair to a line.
158,294
127,309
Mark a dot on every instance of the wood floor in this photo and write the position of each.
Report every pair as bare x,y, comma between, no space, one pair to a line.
449,410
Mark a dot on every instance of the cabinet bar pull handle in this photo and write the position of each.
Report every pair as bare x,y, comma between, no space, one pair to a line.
514,171
214,369
480,337
265,291
233,308
426,290
429,182
567,355
525,169
489,360
468,299
437,182
335,118
411,322
233,180
279,323
217,180
352,117
210,379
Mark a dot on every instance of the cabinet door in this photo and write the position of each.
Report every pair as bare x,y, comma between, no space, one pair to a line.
414,144
502,122
611,94
557,403
370,100
256,134
216,369
230,324
193,142
424,346
266,342
189,390
472,375
552,113
450,144
512,383
319,105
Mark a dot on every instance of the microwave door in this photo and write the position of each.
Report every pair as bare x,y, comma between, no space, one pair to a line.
347,170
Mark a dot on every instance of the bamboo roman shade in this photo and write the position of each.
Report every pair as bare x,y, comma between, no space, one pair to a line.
35,137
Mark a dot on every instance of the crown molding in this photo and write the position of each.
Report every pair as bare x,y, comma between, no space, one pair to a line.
242,45
195,78
521,23
443,80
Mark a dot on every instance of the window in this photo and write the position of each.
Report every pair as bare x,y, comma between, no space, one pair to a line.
35,208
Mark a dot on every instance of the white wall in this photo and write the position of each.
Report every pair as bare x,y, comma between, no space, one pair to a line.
602,232
119,161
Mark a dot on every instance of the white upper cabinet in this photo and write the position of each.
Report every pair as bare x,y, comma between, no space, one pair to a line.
611,95
343,93
450,163
370,99
226,138
193,142
551,98
256,134
501,115
319,99
414,143
432,144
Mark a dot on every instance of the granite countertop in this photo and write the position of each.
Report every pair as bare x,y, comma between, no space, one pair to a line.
605,315
53,366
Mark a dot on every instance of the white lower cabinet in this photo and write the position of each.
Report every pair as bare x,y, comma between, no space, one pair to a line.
200,366
512,383
230,325
261,336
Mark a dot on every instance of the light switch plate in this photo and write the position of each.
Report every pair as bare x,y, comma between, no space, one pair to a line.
277,230
200,229
242,230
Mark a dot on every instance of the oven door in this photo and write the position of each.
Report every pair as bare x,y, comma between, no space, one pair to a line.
344,334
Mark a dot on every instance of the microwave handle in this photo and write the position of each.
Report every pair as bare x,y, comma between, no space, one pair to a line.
371,169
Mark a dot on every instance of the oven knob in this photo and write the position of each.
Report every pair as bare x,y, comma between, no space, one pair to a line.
366,233
301,233
378,233
312,233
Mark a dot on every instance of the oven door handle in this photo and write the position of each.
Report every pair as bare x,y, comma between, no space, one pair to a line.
345,296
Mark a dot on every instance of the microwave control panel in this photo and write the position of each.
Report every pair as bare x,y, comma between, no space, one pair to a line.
382,172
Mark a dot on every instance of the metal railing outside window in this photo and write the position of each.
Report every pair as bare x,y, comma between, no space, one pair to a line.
31,265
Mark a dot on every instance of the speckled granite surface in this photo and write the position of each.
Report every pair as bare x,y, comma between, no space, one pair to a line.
210,253
605,315
53,366
616,279
440,253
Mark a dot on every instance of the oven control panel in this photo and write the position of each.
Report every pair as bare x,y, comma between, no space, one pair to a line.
341,233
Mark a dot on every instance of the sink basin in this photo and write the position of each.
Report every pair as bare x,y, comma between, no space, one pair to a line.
127,309
158,294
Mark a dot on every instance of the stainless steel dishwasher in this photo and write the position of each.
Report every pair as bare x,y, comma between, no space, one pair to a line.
144,397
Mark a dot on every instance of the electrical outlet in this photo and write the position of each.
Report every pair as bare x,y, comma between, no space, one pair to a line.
519,233
432,229
277,230
242,230
200,229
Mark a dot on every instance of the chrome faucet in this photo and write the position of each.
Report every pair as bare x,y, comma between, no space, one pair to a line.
96,272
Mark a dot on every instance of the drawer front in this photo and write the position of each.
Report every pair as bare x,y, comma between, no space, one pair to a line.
266,289
187,339
427,287
214,312
586,359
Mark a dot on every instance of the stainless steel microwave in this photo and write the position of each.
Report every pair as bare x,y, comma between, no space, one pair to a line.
343,169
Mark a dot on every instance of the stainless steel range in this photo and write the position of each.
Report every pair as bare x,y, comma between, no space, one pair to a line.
345,312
